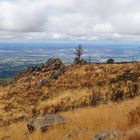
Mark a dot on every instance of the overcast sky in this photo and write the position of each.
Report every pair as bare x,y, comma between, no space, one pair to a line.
70,19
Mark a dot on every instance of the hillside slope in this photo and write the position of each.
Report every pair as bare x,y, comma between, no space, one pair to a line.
57,88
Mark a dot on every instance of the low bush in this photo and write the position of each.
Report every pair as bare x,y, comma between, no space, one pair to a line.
110,61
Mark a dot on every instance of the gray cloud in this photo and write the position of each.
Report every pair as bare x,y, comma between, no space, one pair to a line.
70,19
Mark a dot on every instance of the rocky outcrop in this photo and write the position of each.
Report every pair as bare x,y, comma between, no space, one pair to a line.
53,64
50,65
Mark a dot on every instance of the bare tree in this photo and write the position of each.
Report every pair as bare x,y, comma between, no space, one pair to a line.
78,53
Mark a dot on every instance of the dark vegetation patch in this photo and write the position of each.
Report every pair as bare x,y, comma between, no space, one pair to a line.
127,75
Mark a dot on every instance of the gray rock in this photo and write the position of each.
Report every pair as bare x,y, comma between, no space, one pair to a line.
43,124
41,83
28,78
107,134
54,77
44,69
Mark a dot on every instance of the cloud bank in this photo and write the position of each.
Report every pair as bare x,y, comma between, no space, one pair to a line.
70,19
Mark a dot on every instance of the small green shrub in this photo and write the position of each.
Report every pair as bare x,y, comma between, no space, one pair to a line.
110,61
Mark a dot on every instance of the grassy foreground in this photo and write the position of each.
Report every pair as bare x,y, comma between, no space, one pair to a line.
89,121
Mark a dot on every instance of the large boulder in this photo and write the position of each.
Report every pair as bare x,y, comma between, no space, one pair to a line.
44,123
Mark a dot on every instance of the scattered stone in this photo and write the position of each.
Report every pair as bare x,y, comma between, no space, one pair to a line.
28,78
44,123
41,83
27,86
44,69
54,77
107,134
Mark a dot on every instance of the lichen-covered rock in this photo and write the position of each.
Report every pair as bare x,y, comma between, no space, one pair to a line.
44,123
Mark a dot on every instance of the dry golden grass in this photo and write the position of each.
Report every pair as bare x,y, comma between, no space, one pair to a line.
88,122
79,87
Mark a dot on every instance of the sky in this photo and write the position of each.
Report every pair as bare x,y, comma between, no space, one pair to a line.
70,20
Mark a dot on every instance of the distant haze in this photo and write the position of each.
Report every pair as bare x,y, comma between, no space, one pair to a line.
16,56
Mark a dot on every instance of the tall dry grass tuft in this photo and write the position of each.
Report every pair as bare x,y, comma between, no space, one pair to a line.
84,123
